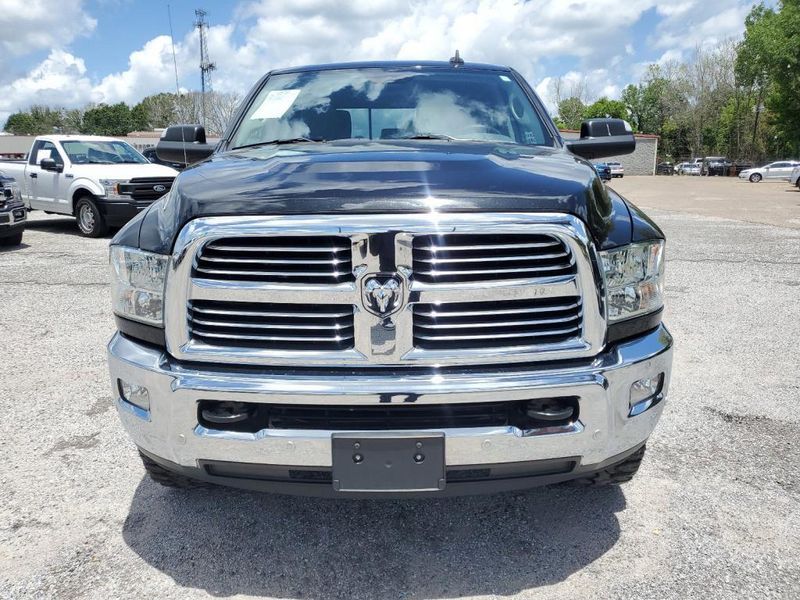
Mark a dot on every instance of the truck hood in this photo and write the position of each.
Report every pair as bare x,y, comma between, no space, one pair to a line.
377,177
124,171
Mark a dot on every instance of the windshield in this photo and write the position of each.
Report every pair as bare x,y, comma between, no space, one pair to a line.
390,104
84,152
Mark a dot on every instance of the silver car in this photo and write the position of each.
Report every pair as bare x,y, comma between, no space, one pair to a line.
781,169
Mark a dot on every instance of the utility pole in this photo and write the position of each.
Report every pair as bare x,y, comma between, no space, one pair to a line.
206,66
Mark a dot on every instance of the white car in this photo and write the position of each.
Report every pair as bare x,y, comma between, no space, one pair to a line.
777,170
617,170
688,168
794,178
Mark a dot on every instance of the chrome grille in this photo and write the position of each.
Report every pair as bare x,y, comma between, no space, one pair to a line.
456,258
271,326
496,324
294,259
298,290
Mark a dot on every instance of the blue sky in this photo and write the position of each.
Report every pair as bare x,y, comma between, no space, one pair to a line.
76,52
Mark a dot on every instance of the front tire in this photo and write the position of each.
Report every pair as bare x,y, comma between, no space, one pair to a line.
167,478
12,240
617,474
90,222
755,178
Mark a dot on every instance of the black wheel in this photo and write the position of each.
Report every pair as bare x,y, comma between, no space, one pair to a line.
621,472
167,478
90,222
755,177
12,240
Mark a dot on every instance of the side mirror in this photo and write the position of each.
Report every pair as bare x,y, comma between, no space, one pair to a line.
49,164
184,144
603,137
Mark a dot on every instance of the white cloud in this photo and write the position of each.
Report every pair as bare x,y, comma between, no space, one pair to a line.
32,25
700,23
59,80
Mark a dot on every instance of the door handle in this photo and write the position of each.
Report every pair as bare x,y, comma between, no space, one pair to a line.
34,175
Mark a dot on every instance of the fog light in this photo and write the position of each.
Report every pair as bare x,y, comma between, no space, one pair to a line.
644,393
135,394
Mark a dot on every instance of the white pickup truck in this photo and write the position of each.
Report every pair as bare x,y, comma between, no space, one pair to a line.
103,182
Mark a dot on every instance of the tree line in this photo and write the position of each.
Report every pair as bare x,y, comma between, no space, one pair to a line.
740,99
153,112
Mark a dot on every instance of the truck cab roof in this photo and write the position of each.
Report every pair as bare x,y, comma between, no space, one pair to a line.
393,64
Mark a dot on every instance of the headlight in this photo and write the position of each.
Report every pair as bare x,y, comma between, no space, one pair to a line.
112,187
137,284
634,279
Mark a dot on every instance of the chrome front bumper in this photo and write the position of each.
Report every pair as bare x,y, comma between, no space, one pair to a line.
170,429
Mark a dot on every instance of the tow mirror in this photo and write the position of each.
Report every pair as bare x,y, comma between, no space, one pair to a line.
603,137
184,144
49,164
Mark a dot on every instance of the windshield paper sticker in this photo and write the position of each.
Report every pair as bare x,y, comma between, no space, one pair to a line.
275,104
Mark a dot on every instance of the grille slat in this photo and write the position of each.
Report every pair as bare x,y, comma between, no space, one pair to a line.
437,260
496,323
267,326
273,261
486,272
266,274
463,325
469,258
229,248
321,312
494,311
277,259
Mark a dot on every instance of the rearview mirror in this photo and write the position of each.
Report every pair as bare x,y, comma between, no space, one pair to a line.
184,144
603,137
49,164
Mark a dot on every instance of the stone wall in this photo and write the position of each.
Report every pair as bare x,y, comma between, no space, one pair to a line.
641,162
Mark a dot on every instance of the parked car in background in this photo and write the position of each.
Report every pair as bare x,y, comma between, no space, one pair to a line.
617,170
781,169
604,170
715,165
740,166
688,168
150,154
665,168
12,212
299,313
102,181
794,178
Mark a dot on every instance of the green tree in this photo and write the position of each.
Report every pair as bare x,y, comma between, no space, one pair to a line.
156,111
570,112
20,123
115,119
606,108
768,58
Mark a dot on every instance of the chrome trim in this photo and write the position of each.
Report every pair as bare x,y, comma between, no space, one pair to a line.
601,384
382,339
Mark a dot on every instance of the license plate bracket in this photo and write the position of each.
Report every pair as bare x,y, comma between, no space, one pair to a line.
377,462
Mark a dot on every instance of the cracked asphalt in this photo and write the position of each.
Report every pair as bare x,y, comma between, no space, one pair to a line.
714,511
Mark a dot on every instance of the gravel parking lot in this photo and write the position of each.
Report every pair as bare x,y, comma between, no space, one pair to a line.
714,511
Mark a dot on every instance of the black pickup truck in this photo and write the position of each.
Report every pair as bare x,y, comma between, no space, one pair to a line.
390,279
12,212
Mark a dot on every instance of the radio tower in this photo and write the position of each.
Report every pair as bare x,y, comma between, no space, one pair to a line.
206,66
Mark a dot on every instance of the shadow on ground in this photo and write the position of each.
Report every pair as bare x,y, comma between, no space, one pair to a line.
65,225
232,542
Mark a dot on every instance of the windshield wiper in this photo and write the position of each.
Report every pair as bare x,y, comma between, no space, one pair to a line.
279,142
426,136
